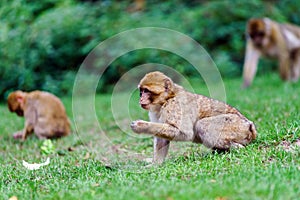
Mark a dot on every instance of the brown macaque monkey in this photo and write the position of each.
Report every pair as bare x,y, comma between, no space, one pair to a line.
44,114
274,40
178,115
137,5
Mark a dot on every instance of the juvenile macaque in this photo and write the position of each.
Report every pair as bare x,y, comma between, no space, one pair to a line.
271,39
44,114
178,115
137,5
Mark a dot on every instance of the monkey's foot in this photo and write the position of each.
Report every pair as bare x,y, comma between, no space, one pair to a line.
235,145
245,85
138,126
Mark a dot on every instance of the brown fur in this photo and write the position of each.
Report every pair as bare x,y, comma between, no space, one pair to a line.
277,41
44,114
138,5
178,115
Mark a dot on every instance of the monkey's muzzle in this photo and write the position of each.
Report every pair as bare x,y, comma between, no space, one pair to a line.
145,106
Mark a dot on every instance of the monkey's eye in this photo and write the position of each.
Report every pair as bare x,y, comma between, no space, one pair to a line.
259,34
144,90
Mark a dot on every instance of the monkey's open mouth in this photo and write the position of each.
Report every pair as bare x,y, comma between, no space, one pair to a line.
20,113
145,106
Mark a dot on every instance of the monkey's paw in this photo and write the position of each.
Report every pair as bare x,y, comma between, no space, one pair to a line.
18,135
138,126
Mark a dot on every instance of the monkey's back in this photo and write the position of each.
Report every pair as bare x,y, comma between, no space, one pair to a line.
293,28
50,113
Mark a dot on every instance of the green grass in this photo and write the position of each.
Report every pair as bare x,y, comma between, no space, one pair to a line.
87,167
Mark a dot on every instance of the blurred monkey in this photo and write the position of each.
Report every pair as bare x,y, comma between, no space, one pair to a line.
44,114
137,5
274,40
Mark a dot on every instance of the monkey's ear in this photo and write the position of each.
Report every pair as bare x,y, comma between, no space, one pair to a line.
169,86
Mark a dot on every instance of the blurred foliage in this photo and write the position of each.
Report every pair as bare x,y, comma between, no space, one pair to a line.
43,43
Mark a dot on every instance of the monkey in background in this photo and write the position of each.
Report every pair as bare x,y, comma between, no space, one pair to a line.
137,5
44,114
178,115
274,40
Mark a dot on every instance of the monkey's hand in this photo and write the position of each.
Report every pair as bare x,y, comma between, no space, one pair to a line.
245,85
18,135
139,126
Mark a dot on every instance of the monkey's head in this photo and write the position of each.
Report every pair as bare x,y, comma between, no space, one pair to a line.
155,89
15,102
259,31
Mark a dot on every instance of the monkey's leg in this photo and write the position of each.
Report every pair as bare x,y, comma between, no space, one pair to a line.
284,66
161,130
43,131
161,147
30,119
295,69
225,131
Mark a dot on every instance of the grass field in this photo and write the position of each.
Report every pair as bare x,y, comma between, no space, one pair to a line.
83,166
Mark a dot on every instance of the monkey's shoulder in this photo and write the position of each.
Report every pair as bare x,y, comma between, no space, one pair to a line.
45,104
181,107
182,99
37,94
43,97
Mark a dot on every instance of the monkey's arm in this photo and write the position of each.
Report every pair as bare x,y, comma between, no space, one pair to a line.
30,121
161,130
161,147
250,64
28,129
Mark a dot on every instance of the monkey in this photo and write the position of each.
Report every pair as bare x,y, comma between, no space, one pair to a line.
178,115
268,38
44,114
137,5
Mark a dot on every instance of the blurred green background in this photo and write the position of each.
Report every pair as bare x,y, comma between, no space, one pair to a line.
43,43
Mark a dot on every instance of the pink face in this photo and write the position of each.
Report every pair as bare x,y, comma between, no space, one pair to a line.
258,38
257,32
145,98
16,104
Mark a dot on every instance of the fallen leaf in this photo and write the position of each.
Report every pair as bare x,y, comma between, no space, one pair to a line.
87,156
35,166
96,185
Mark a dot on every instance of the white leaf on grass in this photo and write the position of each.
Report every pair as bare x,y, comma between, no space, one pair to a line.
13,198
35,166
